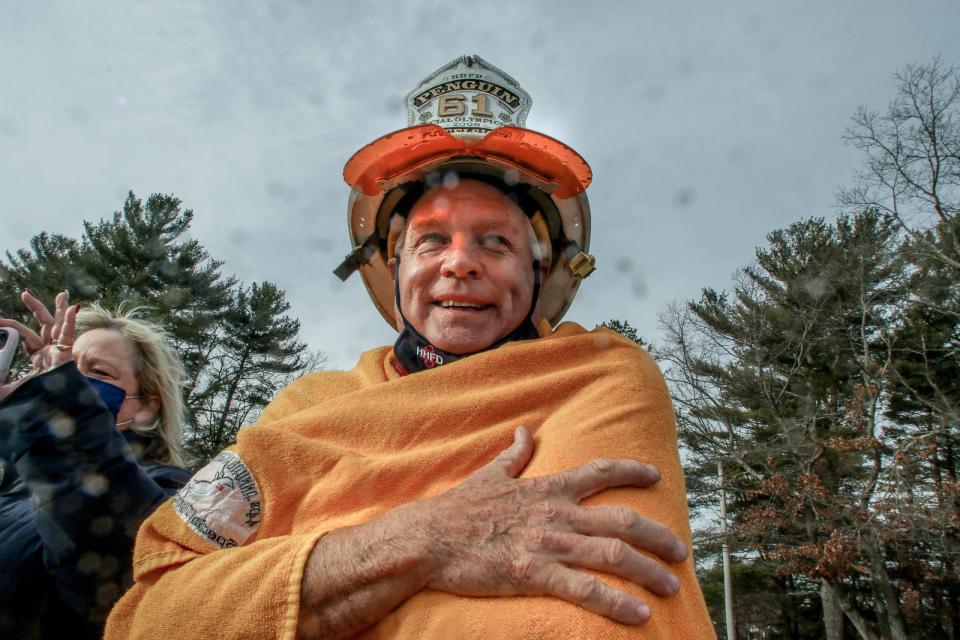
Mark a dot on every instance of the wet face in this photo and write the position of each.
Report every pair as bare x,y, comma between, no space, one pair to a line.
108,355
466,277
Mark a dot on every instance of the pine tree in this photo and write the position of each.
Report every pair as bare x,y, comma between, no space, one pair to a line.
50,265
237,345
781,380
142,258
624,328
257,352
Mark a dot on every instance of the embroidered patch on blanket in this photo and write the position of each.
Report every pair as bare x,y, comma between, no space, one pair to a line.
221,503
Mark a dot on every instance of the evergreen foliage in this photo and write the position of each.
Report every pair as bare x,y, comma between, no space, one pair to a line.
238,345
626,330
827,382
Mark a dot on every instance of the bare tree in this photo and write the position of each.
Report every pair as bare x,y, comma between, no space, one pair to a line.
912,164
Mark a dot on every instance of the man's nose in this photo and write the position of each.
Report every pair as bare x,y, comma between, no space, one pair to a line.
461,261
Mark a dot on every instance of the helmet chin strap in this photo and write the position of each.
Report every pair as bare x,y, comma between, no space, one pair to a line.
415,353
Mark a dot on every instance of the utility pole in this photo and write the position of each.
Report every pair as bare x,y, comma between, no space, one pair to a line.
727,576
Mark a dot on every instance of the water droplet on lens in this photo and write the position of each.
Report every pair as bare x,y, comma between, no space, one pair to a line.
62,425
450,180
95,484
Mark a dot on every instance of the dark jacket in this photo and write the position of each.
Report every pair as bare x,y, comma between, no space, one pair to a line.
72,496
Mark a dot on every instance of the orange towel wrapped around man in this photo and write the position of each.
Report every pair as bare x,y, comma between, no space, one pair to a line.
339,448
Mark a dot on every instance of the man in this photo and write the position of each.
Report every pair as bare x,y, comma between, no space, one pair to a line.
365,502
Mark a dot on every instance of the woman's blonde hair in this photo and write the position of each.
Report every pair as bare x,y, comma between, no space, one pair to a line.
158,370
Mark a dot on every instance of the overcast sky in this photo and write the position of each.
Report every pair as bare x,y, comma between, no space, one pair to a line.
707,124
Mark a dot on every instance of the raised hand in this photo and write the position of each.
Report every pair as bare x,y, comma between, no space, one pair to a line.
53,345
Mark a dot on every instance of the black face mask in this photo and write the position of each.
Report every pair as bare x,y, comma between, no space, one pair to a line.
416,353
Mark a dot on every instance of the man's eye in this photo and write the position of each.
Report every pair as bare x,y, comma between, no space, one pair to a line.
494,240
100,372
431,239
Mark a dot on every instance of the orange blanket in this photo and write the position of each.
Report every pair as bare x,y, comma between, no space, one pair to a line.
339,448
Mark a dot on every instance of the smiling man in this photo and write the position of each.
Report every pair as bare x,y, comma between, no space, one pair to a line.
493,474
464,270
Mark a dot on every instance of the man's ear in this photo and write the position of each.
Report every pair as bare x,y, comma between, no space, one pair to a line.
394,265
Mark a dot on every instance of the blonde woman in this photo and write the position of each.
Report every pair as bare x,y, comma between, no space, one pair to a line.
88,448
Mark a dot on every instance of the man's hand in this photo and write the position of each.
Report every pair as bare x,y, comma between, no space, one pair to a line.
496,535
493,535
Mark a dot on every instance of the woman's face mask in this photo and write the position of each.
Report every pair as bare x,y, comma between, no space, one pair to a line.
110,394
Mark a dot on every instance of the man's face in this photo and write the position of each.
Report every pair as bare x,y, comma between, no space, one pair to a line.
466,277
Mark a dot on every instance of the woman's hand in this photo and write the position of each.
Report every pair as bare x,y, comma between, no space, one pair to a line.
53,345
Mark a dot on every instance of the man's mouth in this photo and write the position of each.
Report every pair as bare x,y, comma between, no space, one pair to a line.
461,304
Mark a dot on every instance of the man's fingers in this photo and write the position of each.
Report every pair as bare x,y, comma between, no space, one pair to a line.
31,341
512,460
590,593
600,474
620,522
615,557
